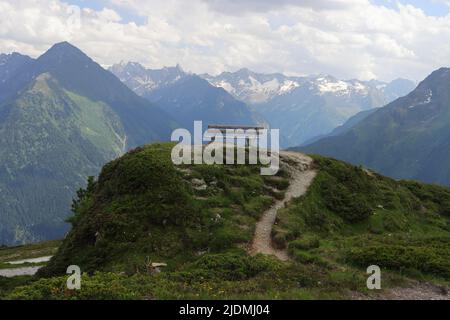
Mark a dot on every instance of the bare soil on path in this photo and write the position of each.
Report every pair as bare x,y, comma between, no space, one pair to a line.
299,167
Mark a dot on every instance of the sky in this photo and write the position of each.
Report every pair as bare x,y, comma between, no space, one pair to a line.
363,39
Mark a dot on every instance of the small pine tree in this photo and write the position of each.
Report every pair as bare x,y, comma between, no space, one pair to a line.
82,194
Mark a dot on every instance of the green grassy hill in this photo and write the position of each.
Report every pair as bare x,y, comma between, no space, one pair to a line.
143,208
353,216
200,220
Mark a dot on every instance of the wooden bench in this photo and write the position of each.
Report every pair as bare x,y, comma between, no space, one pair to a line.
223,130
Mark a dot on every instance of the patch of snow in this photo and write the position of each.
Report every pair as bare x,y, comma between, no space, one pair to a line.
334,87
358,86
271,86
288,86
225,85
144,81
34,260
10,273
427,100
340,87
428,97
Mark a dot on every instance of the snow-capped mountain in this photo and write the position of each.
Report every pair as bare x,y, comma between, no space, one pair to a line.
406,139
252,87
305,107
142,80
186,97
301,107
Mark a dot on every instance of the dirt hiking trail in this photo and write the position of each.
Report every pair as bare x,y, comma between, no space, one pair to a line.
299,167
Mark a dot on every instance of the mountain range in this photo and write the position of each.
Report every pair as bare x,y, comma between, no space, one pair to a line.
62,116
406,139
185,96
307,107
301,107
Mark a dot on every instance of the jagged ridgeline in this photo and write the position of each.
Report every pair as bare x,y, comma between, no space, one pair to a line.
200,221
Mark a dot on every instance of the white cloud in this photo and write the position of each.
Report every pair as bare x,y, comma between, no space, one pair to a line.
244,6
349,39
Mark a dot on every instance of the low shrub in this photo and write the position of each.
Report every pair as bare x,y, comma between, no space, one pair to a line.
232,266
432,260
305,243
307,257
100,286
277,182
